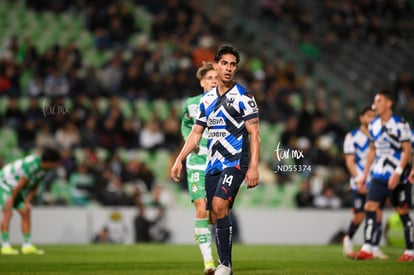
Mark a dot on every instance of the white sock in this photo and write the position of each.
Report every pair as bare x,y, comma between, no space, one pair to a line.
409,252
367,248
203,237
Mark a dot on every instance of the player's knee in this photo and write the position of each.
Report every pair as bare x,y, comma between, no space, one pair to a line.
24,213
201,213
359,218
370,206
220,208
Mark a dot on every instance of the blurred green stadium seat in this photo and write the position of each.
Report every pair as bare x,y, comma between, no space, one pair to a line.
160,164
24,103
143,109
162,107
4,102
102,153
126,107
103,104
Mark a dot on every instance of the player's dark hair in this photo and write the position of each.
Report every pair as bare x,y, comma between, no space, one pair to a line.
364,110
386,93
50,154
226,49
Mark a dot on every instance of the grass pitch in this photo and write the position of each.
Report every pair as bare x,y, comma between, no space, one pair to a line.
166,259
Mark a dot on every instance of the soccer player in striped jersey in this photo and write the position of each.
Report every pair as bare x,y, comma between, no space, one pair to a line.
390,146
196,165
19,181
231,116
356,145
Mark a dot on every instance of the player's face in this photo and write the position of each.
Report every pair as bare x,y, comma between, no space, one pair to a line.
367,117
381,104
209,81
226,68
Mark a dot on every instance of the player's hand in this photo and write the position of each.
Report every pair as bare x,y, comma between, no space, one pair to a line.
176,171
361,187
393,181
252,177
411,177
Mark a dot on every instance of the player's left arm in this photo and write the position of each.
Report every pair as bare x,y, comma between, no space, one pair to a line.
405,158
252,174
411,175
19,187
32,192
28,200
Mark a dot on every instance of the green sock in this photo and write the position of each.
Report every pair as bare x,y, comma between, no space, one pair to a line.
26,238
5,237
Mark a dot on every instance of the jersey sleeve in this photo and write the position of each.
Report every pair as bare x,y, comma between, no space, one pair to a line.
405,132
348,146
249,107
370,134
202,117
30,166
412,141
186,122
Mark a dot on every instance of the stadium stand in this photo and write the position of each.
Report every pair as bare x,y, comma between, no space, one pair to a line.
75,60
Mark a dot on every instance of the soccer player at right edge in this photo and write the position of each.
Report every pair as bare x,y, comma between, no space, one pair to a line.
196,165
391,148
356,146
231,115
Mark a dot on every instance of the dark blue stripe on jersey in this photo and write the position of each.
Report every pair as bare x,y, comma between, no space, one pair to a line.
201,123
224,152
210,109
222,100
362,147
387,162
387,175
237,143
358,163
216,166
251,116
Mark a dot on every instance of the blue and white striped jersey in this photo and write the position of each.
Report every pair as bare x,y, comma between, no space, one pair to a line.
387,139
412,141
225,116
357,143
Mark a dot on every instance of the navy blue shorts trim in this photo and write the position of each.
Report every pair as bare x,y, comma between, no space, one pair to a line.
225,185
358,202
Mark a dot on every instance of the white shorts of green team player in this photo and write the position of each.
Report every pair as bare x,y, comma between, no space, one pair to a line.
196,184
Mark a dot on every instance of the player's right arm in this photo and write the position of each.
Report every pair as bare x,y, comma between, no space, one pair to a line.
350,165
370,159
411,175
190,144
20,185
349,151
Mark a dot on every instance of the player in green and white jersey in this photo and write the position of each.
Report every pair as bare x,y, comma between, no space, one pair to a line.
196,164
19,181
